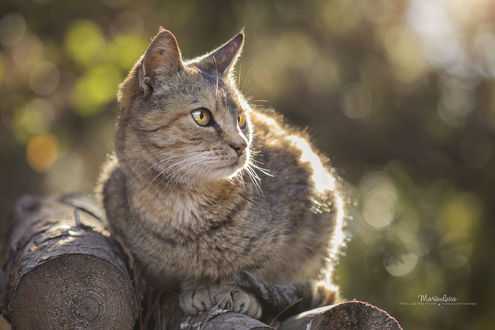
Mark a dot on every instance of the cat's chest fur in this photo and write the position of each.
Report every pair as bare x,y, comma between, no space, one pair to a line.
166,210
212,230
184,210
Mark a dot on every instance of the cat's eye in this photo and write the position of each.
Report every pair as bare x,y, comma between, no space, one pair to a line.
241,120
201,116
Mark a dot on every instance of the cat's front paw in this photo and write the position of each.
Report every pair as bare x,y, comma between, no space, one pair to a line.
202,298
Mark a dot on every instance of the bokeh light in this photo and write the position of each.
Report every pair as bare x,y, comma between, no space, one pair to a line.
379,199
126,48
2,68
403,266
12,28
85,42
32,118
42,151
96,88
44,78
356,101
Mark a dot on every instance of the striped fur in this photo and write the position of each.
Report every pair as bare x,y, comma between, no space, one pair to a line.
191,210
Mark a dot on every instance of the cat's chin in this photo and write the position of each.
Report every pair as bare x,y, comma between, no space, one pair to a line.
228,171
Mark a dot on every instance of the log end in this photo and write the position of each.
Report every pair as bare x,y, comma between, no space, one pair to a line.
73,291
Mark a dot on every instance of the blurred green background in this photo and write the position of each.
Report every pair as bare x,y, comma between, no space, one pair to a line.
399,93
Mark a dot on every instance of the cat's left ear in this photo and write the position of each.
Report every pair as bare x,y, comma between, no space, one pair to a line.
161,61
223,59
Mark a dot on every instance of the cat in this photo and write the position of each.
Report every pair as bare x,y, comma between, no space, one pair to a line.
203,186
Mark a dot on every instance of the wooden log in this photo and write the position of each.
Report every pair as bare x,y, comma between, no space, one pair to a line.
220,319
62,269
344,316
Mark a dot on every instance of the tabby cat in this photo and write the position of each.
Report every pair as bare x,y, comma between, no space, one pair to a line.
203,186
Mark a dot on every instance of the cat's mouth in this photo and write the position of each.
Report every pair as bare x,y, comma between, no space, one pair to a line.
241,161
238,163
232,168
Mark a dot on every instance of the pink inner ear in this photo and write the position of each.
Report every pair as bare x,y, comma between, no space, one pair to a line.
224,57
163,55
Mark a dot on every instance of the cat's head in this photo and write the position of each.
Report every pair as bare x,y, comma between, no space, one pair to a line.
184,121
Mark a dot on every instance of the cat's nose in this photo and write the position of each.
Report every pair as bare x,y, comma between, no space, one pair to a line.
239,147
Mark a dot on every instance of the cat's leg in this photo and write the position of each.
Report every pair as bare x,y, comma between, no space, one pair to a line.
198,298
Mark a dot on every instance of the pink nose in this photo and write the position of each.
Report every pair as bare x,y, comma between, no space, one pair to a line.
239,148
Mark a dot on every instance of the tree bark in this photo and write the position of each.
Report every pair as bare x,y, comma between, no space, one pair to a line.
62,269
223,320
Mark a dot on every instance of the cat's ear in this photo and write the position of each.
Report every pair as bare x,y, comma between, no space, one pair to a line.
161,60
223,59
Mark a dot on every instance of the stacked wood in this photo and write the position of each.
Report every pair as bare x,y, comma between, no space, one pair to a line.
64,270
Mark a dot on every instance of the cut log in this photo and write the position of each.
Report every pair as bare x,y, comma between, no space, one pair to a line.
62,269
351,315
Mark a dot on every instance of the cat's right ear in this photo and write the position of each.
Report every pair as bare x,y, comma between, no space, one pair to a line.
161,61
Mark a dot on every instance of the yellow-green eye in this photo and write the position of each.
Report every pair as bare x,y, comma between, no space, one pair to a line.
201,116
241,120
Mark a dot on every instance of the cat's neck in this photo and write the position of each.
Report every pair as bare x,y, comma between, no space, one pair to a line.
175,206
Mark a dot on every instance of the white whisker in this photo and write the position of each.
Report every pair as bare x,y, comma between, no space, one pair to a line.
168,158
169,168
255,179
194,161
261,169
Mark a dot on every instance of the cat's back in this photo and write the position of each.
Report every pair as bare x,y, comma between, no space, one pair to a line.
303,197
294,165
